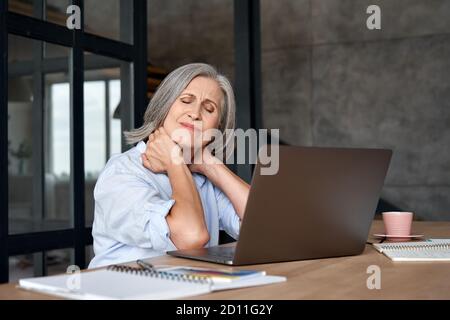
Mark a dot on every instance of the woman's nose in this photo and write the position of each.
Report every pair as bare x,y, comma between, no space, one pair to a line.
194,113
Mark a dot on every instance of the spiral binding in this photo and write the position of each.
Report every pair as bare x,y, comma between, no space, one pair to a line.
165,275
437,246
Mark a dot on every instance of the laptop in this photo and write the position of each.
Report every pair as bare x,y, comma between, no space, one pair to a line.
320,204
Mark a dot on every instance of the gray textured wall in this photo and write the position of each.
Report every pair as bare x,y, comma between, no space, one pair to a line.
329,81
184,31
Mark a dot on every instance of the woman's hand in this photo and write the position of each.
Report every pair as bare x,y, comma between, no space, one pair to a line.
161,152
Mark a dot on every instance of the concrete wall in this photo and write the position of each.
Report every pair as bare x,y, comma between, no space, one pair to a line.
185,31
329,81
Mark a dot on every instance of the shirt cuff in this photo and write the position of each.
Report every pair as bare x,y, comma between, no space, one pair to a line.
157,226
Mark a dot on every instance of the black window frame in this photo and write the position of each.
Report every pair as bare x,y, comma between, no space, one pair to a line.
78,41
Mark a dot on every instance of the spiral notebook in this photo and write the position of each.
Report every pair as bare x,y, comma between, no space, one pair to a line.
125,282
429,250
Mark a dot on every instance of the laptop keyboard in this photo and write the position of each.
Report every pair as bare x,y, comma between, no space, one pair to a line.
222,252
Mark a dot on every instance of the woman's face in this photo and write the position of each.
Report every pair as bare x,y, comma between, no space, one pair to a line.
197,109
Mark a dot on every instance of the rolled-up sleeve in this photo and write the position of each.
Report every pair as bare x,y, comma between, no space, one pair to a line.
132,211
228,218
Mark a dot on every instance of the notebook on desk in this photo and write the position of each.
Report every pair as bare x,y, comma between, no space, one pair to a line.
429,250
125,282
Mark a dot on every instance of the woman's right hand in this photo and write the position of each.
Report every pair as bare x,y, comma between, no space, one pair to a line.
161,152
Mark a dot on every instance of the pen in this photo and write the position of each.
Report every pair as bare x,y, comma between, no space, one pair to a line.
146,265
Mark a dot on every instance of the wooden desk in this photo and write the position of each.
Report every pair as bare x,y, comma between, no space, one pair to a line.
335,278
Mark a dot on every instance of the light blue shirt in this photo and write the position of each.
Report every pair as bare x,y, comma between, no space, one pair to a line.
131,205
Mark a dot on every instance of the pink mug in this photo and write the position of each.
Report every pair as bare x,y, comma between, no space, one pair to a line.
397,223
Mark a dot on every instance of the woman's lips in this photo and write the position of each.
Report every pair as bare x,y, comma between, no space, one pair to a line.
188,126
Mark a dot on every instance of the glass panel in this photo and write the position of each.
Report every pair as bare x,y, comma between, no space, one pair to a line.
57,261
57,147
19,50
102,119
20,150
21,267
94,127
38,135
56,11
107,20
115,137
55,51
24,7
30,265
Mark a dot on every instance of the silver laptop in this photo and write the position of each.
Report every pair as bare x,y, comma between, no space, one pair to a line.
320,204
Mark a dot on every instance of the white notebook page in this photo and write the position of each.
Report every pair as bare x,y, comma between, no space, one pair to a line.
107,284
430,250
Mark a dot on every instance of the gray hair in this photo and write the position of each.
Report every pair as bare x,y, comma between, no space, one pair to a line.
171,88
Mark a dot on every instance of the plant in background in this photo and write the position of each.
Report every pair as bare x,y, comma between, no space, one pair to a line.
22,153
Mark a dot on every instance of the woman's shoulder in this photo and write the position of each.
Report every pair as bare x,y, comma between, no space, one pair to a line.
124,171
125,162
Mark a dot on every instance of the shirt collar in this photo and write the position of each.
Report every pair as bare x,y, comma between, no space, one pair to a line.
200,179
141,146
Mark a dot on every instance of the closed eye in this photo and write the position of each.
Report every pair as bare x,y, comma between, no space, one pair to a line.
209,109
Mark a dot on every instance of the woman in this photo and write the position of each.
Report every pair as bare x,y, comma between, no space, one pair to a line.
149,199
